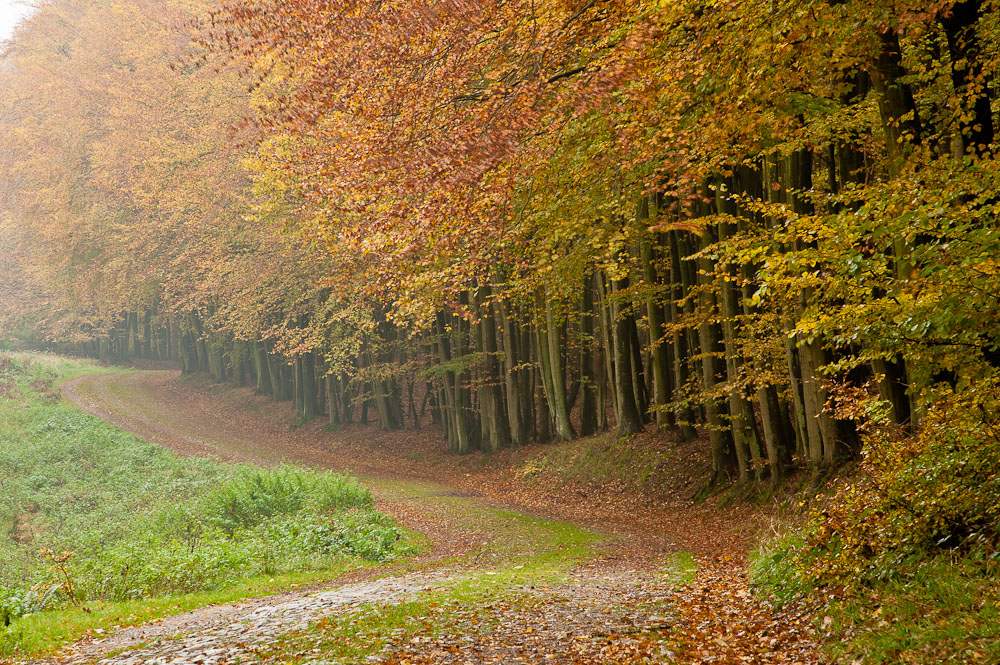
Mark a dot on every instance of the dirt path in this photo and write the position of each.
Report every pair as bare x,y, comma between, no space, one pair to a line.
195,417
605,615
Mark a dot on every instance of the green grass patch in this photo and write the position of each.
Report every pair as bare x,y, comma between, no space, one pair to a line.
931,609
774,567
93,517
42,633
940,611
352,636
681,568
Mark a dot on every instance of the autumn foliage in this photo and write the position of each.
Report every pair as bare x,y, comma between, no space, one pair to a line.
772,225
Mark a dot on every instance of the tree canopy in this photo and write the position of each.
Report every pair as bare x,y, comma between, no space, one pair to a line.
773,223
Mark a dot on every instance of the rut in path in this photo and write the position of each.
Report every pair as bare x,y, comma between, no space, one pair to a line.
720,622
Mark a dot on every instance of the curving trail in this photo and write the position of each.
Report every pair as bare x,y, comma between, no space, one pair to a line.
617,608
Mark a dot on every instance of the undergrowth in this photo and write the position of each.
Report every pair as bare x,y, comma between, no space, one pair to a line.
89,513
908,555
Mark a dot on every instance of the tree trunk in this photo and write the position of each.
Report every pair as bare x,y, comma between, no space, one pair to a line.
297,392
264,386
557,401
746,440
685,416
346,400
495,423
588,406
189,354
333,407
605,320
629,418
967,74
713,369
457,426
310,400
518,419
660,366
638,371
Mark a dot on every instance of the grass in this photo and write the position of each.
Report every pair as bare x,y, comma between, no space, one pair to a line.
933,609
939,611
772,568
525,551
92,517
43,633
681,568
59,368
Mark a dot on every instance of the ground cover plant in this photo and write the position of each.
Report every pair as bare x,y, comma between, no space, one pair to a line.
90,514
909,551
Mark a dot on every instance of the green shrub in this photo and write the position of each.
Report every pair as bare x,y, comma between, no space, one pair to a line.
934,491
204,556
910,553
368,534
16,603
258,494
774,567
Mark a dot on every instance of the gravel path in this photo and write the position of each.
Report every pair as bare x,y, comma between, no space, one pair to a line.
228,633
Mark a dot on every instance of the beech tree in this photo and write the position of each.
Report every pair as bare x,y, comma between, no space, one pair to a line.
765,225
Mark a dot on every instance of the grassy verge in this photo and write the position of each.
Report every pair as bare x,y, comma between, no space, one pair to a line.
941,611
42,633
930,609
99,528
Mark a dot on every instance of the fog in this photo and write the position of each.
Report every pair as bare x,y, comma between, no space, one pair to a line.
11,13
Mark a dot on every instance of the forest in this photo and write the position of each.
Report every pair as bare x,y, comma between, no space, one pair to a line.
765,231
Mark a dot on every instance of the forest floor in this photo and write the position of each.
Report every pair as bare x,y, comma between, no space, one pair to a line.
524,566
